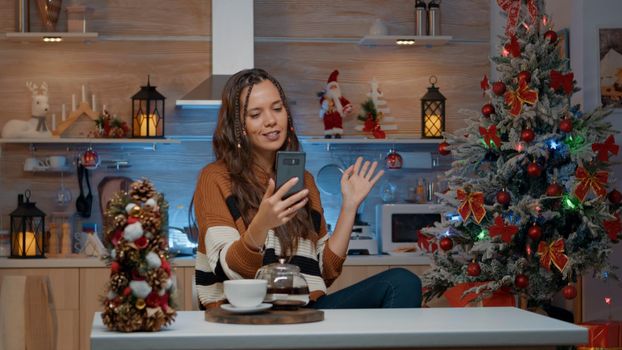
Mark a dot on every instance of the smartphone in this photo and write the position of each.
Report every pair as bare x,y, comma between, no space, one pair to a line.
288,165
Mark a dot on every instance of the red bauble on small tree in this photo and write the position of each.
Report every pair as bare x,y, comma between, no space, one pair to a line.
554,190
615,196
443,148
527,135
503,197
524,75
499,88
569,292
521,281
534,170
474,269
446,244
534,232
565,125
488,110
551,35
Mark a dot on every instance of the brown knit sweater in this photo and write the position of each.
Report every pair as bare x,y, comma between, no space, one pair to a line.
223,255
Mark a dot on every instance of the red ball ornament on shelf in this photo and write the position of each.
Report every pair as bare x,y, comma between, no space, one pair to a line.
524,75
615,196
503,197
569,292
554,190
534,232
443,148
521,281
498,88
534,170
565,125
551,35
393,160
487,110
90,159
446,244
527,135
474,269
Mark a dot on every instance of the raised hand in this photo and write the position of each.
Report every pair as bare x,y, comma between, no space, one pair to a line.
357,181
273,210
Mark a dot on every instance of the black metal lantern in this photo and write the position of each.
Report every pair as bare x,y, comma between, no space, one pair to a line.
148,113
432,112
27,229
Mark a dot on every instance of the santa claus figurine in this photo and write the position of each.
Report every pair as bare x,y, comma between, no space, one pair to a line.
333,107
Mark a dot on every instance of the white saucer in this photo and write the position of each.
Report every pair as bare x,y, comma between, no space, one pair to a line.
246,310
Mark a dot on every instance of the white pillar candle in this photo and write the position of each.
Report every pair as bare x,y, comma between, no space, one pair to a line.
53,121
73,102
83,94
63,112
93,107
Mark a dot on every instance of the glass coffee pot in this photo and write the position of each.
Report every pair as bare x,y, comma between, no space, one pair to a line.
286,285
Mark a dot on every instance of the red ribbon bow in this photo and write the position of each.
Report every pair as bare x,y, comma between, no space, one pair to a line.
554,253
500,228
512,7
564,81
374,127
490,135
472,203
613,227
516,99
604,149
424,242
484,83
595,181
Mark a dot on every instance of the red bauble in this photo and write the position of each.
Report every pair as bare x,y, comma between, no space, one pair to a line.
534,170
524,75
443,148
521,281
569,292
115,267
90,159
534,232
527,135
498,88
446,244
393,160
551,35
503,197
565,125
615,196
474,269
488,109
554,190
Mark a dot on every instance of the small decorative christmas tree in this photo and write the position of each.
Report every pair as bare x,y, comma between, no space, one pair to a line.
375,112
141,283
530,178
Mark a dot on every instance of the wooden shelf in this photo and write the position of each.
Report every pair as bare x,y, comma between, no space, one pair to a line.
40,36
362,140
392,40
89,140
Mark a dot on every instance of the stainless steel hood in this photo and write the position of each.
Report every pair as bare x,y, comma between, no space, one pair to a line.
232,51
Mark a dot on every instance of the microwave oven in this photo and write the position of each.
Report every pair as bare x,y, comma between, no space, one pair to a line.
397,225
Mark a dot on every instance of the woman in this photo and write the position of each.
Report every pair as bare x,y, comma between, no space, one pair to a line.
245,223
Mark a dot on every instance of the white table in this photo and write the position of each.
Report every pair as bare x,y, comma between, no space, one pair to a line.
355,328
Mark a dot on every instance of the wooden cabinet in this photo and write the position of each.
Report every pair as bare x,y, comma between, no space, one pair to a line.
64,291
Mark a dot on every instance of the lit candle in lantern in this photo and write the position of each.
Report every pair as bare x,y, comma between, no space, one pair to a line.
31,243
433,126
148,125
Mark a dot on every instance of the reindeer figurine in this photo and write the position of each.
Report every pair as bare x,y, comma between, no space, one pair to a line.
35,127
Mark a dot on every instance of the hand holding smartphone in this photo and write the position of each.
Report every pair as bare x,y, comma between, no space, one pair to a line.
289,165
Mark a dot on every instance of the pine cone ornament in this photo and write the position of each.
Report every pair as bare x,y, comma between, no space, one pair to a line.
142,190
118,282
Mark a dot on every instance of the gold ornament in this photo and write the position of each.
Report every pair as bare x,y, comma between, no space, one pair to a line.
135,212
140,303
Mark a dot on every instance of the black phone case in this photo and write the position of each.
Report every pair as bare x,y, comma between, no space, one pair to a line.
289,165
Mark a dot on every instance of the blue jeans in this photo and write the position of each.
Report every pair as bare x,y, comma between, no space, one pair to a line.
394,288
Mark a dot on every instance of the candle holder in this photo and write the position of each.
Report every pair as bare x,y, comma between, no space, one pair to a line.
148,113
27,229
432,112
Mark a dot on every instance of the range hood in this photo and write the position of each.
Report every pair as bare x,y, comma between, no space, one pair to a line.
232,51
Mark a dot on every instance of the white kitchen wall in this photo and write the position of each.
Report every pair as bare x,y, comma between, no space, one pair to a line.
583,18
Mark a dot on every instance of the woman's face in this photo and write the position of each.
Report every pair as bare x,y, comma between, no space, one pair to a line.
266,118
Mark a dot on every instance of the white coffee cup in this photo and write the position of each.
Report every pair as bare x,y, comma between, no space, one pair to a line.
245,292
57,161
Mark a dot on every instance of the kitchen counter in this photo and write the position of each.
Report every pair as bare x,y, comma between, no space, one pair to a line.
356,328
81,261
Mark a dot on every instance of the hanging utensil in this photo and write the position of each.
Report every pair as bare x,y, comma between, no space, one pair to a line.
81,200
89,196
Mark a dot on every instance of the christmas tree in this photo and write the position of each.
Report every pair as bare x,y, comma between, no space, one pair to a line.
141,283
530,178
375,112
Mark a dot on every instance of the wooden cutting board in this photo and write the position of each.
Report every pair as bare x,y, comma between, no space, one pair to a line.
266,317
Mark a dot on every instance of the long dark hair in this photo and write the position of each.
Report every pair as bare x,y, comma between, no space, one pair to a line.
233,147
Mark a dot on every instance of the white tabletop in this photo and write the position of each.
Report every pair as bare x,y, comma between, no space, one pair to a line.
355,328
